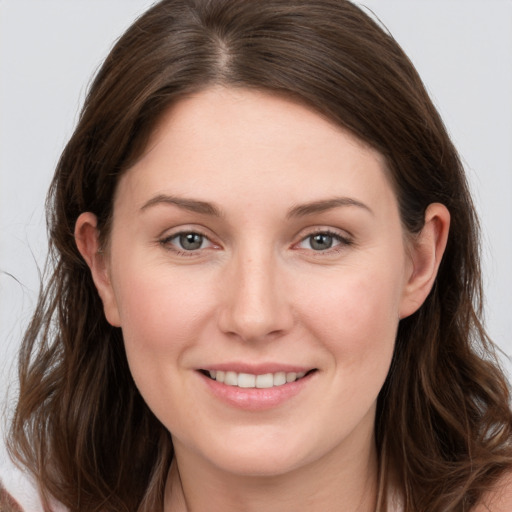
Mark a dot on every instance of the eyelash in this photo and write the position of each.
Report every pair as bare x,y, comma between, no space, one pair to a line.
167,244
343,242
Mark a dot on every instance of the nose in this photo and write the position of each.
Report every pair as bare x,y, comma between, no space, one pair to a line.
256,305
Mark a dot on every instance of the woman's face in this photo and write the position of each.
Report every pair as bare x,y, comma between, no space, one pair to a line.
257,241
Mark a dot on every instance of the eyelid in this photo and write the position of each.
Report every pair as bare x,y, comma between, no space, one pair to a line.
165,240
343,237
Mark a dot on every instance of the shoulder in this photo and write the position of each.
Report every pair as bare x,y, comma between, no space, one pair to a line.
499,498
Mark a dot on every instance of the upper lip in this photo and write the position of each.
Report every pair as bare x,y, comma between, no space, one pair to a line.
257,369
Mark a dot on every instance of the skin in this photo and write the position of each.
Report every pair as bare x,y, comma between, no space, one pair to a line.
258,291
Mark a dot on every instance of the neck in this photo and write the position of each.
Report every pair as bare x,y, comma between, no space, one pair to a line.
334,483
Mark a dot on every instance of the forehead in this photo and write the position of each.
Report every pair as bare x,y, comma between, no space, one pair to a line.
227,141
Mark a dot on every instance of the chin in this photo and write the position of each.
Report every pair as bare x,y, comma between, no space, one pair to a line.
265,458
260,465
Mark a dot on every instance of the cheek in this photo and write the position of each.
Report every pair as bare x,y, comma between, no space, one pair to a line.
357,318
161,316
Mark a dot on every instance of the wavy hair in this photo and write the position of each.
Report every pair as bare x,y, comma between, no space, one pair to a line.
443,423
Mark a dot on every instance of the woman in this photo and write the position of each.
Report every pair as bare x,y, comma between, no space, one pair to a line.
266,292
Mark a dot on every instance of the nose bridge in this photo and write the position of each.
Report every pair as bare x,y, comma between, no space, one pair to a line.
255,303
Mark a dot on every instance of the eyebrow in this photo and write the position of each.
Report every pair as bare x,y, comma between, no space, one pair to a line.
327,204
206,208
192,205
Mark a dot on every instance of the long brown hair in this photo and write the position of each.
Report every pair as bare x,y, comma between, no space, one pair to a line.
443,424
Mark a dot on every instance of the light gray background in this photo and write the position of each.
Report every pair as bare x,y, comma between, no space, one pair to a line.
49,50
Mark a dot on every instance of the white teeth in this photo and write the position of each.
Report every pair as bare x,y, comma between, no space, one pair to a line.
291,377
231,379
248,380
265,381
279,378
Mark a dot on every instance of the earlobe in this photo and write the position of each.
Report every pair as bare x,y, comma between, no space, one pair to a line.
426,252
88,244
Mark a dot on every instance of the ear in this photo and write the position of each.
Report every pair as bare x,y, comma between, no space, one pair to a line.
426,250
87,242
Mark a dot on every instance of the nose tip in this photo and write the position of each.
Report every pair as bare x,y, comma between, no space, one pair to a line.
251,327
256,306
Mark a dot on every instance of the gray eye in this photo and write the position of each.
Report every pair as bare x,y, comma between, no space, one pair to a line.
191,241
321,241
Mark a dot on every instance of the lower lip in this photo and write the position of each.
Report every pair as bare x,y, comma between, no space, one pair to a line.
256,399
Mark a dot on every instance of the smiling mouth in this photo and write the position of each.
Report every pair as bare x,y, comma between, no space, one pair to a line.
249,380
